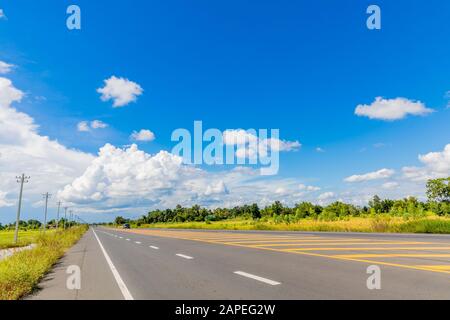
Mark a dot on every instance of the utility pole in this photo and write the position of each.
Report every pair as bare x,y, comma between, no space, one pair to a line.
46,196
22,179
65,216
57,215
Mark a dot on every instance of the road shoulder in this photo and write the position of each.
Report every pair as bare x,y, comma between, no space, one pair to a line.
97,281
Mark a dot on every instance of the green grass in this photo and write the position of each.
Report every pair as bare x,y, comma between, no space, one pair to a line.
25,238
20,273
353,224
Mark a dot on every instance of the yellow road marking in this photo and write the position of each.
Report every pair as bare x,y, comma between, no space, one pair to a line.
393,255
308,240
332,244
368,248
403,266
245,240
435,267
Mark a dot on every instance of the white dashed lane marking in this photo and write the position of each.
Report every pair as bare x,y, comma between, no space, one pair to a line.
257,278
184,256
153,247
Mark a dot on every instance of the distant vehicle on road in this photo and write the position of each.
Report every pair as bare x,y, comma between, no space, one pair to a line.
126,226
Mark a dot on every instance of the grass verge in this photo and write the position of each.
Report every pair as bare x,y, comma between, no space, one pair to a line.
366,224
20,273
25,238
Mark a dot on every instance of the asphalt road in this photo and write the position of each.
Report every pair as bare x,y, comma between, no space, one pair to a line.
188,264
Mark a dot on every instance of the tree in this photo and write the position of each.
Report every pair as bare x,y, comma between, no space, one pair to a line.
439,190
254,209
120,220
375,204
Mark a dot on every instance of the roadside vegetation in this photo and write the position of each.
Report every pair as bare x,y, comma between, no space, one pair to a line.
380,215
26,237
29,231
20,273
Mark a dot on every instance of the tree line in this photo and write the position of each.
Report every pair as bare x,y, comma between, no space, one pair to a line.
438,203
33,224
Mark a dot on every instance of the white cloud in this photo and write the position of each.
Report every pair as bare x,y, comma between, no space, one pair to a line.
83,126
392,109
326,197
380,174
97,124
23,150
216,189
2,14
308,188
4,202
130,179
320,150
5,67
390,185
435,165
143,135
122,91
86,126
250,145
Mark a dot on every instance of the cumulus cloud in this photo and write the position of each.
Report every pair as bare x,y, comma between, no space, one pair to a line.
83,126
97,124
249,145
143,135
308,188
23,150
2,14
5,67
390,185
4,202
435,165
392,109
86,126
320,150
131,177
380,174
122,91
326,197
216,188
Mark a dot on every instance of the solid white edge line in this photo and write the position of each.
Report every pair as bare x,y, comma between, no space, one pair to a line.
138,242
123,288
184,256
252,276
153,247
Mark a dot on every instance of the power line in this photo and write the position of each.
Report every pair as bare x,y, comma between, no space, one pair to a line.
20,179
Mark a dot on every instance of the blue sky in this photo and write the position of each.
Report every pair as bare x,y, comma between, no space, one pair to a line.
302,67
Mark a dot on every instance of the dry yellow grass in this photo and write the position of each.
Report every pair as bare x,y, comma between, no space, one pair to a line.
354,224
20,273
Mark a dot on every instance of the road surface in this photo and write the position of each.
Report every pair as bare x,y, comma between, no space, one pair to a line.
191,264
